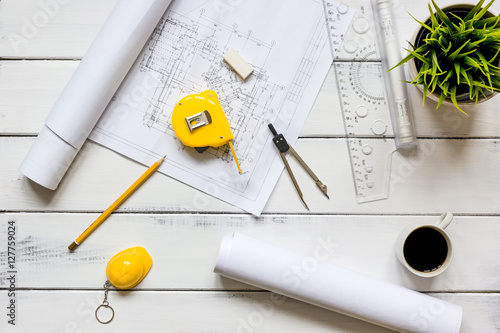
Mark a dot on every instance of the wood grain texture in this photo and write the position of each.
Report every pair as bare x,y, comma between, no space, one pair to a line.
226,311
65,28
442,175
184,248
43,81
50,29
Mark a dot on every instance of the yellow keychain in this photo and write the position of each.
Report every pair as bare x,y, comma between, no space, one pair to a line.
200,122
124,271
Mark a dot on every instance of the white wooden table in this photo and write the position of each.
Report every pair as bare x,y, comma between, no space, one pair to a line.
455,169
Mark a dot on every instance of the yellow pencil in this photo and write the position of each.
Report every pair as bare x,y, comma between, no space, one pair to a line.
116,204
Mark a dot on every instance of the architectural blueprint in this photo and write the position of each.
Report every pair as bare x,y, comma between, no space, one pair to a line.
287,45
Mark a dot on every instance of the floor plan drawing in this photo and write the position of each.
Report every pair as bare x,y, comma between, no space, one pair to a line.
185,56
202,43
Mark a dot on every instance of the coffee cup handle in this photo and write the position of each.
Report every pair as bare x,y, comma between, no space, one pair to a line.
445,220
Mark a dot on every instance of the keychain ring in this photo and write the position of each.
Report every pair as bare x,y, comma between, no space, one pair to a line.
105,305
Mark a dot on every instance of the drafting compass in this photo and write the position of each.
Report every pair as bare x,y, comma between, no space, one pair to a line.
283,147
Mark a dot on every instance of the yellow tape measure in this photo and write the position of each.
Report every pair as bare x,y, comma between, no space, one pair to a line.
200,122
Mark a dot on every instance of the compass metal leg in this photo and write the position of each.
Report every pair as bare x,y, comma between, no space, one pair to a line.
318,182
297,187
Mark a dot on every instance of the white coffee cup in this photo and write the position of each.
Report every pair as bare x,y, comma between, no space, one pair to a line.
425,249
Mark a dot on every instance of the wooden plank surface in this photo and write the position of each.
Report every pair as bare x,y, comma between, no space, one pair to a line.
443,175
184,247
50,29
184,311
455,169
43,81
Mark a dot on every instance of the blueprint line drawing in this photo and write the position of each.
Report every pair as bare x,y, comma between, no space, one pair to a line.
201,43
185,56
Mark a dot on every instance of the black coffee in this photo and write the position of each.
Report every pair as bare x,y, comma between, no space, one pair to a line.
425,249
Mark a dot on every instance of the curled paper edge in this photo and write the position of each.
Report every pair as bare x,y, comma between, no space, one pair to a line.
90,89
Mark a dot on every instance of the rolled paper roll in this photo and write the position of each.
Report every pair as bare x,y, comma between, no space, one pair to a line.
320,283
48,159
90,89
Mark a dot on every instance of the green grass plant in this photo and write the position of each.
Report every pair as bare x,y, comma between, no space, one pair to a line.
457,54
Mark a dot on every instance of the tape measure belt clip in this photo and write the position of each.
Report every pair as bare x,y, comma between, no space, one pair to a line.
198,120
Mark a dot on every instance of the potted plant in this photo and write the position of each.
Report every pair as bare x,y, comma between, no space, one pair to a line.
454,58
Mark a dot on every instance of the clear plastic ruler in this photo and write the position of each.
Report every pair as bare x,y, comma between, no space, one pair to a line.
364,110
338,19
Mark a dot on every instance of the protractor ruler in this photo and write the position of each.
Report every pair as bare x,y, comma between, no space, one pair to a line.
338,19
367,124
365,114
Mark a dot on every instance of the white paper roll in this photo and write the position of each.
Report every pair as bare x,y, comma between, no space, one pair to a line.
93,84
48,159
308,279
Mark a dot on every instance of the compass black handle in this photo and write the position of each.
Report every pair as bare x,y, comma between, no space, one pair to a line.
279,140
273,130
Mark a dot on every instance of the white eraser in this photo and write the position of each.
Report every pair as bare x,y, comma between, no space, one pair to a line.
238,64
